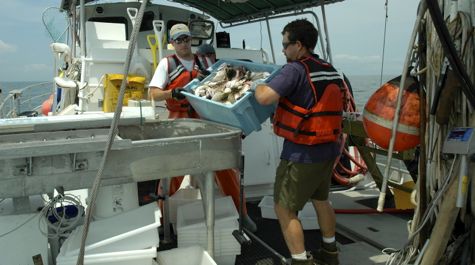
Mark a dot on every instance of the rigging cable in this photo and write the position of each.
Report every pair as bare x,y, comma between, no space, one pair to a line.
384,43
450,51
113,130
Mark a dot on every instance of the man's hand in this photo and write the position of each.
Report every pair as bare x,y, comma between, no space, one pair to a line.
176,93
255,84
203,74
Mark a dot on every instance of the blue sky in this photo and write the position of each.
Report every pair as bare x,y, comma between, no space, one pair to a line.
356,30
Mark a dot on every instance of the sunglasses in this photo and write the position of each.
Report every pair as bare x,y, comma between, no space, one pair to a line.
182,40
286,44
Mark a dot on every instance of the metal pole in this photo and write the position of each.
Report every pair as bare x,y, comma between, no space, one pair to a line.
270,40
82,39
463,182
327,38
209,189
166,210
382,195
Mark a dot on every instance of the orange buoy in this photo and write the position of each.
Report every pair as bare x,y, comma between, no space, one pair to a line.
47,105
378,115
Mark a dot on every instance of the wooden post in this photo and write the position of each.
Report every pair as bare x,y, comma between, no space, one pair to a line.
444,224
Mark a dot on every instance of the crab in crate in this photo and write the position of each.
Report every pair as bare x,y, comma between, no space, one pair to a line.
229,83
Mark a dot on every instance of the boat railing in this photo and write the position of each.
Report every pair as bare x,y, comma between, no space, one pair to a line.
15,102
398,173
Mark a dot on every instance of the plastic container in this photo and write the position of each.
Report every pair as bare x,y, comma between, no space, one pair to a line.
21,236
191,216
194,255
182,197
135,257
246,113
135,89
191,227
132,230
267,207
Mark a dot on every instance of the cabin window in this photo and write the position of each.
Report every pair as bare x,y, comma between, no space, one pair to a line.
147,21
114,20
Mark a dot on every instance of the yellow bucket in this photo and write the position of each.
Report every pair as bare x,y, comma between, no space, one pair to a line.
135,89
402,198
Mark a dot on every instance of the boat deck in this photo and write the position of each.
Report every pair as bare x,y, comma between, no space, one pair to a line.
360,237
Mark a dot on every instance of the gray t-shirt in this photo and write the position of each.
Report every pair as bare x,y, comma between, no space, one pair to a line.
292,83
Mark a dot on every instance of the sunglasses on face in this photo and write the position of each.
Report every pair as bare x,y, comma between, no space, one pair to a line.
182,40
286,44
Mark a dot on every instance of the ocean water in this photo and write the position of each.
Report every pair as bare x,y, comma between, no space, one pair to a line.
363,87
33,93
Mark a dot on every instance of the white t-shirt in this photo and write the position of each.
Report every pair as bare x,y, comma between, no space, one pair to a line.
160,77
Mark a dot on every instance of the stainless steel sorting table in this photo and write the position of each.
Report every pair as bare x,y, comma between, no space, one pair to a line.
38,154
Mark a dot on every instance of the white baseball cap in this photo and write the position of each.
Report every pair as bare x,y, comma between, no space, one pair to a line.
179,30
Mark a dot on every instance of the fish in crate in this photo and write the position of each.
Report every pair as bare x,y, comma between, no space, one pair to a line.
229,83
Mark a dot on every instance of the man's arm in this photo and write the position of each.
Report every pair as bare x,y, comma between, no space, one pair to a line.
159,82
265,95
158,94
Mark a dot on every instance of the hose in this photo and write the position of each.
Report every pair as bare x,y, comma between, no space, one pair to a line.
372,211
358,174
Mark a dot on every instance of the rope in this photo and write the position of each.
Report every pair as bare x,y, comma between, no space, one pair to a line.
395,122
354,176
460,30
384,43
407,252
56,208
112,131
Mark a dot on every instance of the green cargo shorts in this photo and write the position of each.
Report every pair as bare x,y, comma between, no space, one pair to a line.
296,183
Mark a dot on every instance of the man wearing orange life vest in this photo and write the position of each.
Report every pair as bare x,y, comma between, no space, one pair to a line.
308,116
172,74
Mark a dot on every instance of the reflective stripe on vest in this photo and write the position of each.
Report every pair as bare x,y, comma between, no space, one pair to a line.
322,122
178,77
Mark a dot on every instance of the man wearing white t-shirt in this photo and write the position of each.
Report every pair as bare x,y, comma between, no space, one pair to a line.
172,74
175,71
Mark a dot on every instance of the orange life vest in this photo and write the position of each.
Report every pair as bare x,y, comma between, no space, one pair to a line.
178,77
320,123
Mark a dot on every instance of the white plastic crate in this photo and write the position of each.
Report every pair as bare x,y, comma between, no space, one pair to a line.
191,216
135,257
225,259
267,207
225,243
182,197
191,227
308,217
132,230
21,240
194,255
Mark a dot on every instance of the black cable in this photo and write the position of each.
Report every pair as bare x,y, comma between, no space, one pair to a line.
450,51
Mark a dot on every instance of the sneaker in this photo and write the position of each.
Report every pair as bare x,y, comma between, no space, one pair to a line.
308,261
325,257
